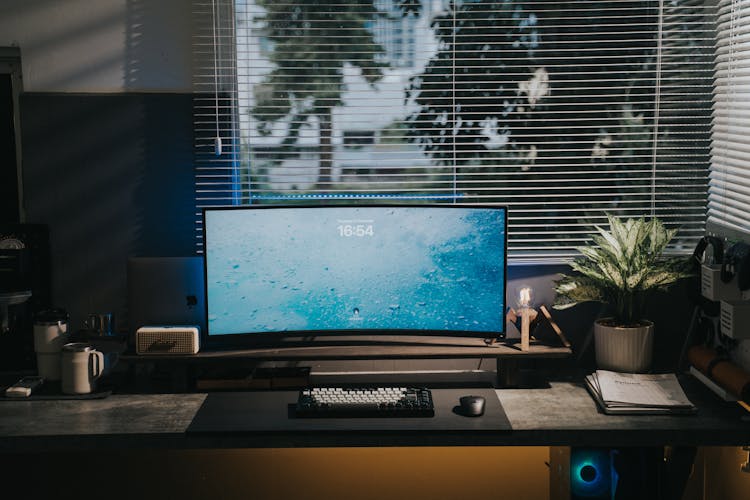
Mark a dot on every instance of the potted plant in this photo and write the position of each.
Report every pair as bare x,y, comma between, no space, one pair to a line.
620,269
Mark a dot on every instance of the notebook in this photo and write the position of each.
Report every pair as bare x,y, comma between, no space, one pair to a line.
630,393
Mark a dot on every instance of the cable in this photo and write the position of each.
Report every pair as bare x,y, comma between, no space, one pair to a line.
657,103
217,139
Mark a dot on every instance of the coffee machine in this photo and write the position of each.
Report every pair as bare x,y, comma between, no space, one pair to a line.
25,289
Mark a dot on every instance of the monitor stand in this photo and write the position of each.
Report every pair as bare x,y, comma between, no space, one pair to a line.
509,357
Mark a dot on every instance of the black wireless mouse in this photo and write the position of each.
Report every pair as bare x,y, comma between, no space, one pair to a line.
472,406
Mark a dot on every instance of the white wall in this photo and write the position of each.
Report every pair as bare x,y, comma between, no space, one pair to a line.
100,45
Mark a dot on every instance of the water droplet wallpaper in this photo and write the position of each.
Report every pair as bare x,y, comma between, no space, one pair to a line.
358,268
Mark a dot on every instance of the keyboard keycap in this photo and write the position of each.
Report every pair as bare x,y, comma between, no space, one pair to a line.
365,402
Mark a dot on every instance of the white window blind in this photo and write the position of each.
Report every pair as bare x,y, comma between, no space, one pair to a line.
563,111
729,187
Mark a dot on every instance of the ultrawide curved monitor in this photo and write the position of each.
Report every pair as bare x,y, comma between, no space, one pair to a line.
416,269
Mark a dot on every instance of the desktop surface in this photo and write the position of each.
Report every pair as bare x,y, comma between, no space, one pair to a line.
559,413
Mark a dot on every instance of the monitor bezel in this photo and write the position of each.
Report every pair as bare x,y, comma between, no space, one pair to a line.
306,337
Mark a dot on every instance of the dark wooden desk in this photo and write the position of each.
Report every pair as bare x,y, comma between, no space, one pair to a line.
560,414
147,439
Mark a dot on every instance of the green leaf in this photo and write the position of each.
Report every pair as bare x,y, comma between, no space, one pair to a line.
621,266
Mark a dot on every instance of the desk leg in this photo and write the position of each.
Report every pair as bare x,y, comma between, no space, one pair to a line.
508,373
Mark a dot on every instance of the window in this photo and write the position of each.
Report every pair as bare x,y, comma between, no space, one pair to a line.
729,188
564,111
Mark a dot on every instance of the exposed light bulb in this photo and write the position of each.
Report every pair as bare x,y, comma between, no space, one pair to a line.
527,313
525,296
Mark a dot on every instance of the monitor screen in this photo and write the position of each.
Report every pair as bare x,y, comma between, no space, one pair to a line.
429,269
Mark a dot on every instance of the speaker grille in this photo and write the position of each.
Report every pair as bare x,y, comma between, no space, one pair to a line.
167,340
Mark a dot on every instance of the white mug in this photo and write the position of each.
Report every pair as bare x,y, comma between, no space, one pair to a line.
81,366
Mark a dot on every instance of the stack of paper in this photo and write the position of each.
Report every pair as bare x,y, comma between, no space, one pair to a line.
637,393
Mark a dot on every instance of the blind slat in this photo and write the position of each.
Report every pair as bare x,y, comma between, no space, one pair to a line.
563,111
729,188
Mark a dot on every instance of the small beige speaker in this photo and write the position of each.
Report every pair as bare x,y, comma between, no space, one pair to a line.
161,340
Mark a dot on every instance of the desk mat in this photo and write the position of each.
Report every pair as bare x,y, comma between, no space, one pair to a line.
269,411
53,390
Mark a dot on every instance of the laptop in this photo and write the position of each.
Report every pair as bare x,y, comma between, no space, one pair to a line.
165,291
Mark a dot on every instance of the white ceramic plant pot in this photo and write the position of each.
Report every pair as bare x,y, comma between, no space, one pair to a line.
623,349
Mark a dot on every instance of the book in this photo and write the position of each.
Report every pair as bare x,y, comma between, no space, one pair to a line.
638,393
